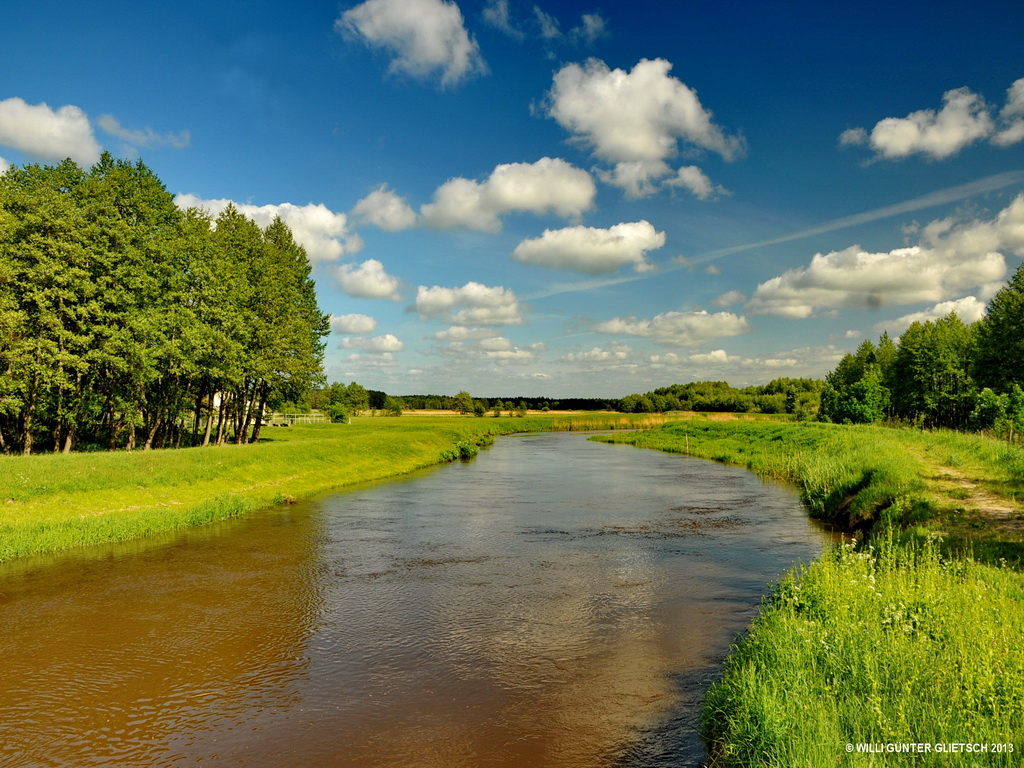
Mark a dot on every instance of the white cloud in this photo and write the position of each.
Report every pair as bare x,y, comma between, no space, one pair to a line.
496,14
730,299
679,329
4,165
425,37
461,333
948,260
591,250
146,137
964,119
969,309
386,344
1012,116
614,354
353,323
485,346
635,119
542,25
323,233
550,185
367,280
472,304
41,132
592,27
694,180
385,209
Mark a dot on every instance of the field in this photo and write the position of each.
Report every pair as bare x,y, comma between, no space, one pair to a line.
908,638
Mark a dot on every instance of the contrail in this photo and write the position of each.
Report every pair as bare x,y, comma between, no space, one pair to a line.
941,197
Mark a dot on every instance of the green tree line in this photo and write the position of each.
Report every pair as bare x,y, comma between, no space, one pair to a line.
125,321
796,396
939,373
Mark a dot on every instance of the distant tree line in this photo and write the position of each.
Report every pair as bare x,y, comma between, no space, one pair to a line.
795,396
125,321
940,373
450,403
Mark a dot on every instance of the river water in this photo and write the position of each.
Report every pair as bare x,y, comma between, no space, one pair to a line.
555,602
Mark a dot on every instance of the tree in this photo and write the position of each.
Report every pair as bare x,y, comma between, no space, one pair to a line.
463,402
357,399
932,385
393,406
999,339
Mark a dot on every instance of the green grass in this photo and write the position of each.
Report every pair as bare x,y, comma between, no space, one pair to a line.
900,640
52,503
892,643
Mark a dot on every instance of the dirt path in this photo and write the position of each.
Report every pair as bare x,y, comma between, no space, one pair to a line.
1003,516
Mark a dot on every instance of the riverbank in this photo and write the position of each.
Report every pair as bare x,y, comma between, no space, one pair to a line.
52,503
909,639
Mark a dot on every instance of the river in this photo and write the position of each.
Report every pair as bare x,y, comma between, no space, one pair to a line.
554,602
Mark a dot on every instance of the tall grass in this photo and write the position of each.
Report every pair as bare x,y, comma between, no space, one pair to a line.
892,643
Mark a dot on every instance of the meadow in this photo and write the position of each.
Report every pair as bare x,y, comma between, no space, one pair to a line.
910,636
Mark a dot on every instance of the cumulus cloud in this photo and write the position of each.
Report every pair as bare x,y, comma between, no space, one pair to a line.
386,344
48,134
353,323
550,185
4,165
963,119
472,304
591,250
1012,116
324,234
425,38
367,280
385,209
969,309
695,181
145,137
461,333
679,329
635,119
730,299
950,259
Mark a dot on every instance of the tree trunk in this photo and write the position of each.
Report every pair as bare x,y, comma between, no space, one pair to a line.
264,388
151,433
68,437
131,438
250,404
199,413
222,418
209,421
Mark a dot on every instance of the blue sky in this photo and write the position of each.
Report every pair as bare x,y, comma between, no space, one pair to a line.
559,198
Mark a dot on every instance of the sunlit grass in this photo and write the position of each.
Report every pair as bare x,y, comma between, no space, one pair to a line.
893,643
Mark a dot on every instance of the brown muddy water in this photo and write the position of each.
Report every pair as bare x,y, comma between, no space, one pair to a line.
555,602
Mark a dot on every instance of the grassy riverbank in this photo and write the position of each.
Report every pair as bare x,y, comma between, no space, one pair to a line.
52,503
900,641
